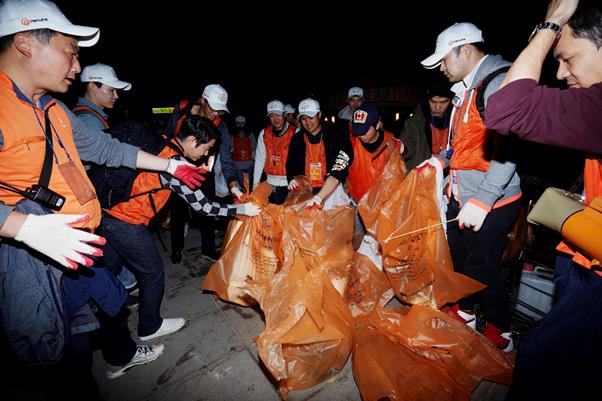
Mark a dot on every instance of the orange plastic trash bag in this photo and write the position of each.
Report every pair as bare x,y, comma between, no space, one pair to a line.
326,233
251,250
368,287
309,330
449,359
416,260
385,370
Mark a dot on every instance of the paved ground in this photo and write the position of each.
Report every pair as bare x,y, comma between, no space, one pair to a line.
213,357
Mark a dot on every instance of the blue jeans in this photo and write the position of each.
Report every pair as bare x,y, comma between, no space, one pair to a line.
126,277
133,244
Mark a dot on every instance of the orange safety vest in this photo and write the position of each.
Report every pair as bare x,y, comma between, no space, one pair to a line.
438,139
276,150
242,150
366,166
90,110
22,153
592,177
138,210
315,162
470,138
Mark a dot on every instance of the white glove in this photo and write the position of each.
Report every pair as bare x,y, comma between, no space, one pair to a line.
237,193
293,186
433,161
52,236
315,202
248,209
472,215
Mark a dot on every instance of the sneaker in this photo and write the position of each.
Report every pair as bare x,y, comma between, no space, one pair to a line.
469,319
144,354
502,340
176,258
168,326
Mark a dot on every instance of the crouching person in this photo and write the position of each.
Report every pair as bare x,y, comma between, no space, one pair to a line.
125,225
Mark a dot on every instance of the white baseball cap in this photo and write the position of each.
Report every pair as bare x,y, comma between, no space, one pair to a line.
240,120
216,96
275,106
456,35
309,107
288,109
355,91
105,75
27,15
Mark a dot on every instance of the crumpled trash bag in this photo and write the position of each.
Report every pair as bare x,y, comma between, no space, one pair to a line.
369,287
251,250
309,330
418,264
422,353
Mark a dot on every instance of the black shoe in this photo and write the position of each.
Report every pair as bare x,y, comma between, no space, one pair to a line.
176,258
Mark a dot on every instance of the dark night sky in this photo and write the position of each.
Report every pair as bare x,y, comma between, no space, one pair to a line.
289,51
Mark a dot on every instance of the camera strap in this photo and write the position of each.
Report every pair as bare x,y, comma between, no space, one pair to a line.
47,164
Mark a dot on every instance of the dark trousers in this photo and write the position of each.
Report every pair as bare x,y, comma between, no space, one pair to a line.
560,358
180,213
133,244
278,195
477,255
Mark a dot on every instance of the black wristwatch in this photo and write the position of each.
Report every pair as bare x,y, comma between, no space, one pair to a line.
546,25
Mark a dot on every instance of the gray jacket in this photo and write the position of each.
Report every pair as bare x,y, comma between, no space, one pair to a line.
500,181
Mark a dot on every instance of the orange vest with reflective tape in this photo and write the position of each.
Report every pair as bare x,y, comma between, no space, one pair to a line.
22,153
367,166
315,162
139,210
276,150
242,150
470,139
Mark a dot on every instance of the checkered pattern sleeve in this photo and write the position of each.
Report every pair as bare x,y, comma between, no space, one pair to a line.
196,198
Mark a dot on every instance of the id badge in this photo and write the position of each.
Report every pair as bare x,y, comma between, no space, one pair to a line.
276,160
315,172
77,183
449,153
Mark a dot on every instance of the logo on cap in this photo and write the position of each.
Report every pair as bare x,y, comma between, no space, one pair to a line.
360,116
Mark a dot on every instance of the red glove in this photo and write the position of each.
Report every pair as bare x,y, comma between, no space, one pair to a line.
188,173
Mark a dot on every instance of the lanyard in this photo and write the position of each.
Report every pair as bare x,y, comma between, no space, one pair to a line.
48,128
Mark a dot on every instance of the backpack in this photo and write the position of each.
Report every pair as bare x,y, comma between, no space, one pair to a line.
480,100
114,184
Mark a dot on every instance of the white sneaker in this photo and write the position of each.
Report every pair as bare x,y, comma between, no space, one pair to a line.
144,354
168,326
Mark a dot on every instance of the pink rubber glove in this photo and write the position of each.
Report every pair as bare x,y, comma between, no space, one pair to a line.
188,173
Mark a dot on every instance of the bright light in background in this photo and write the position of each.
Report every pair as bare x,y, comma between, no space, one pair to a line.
411,114
332,119
397,116
326,118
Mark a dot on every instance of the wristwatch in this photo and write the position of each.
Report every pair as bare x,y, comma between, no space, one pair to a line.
546,25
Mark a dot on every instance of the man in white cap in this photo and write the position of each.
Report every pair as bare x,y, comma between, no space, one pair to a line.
213,105
272,152
484,188
317,152
100,93
290,115
48,207
243,151
355,98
